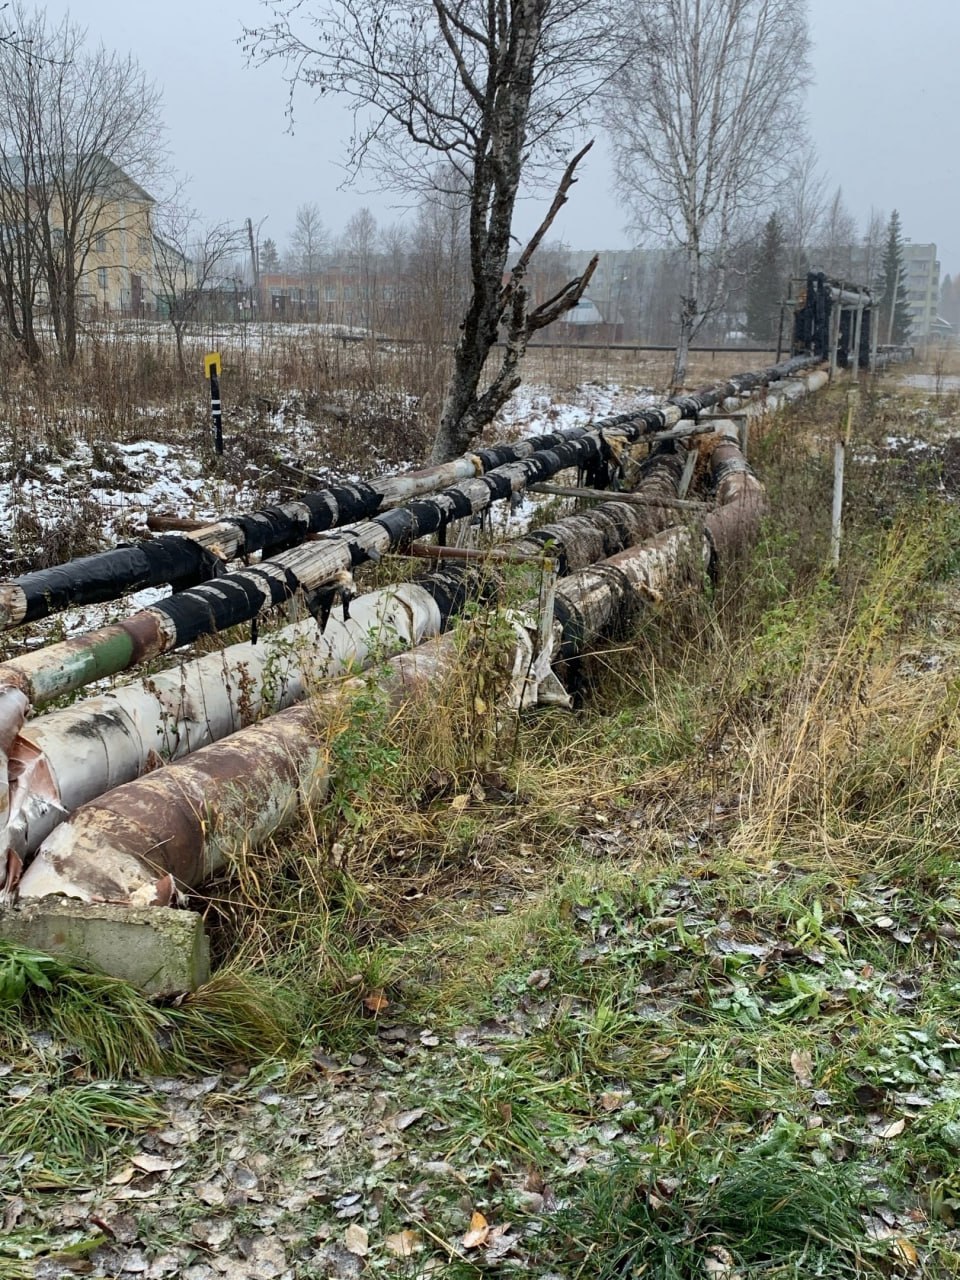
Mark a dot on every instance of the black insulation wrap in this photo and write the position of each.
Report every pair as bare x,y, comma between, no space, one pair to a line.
454,585
354,502
503,454
183,562
595,473
401,524
271,529
108,574
459,504
571,628
690,406
214,606
499,486
428,517
655,419
555,549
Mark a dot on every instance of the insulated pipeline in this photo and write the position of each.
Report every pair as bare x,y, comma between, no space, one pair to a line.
184,560
174,828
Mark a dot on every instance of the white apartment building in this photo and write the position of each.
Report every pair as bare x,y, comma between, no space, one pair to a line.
922,284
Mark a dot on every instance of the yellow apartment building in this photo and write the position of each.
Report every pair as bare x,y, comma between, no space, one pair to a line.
118,274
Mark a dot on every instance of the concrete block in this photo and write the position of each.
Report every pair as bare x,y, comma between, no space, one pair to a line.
157,949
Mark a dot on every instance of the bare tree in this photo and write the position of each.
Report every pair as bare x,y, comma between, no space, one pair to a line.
394,244
803,208
23,211
838,238
309,240
701,120
188,257
440,256
308,244
438,285
359,246
870,265
81,132
480,90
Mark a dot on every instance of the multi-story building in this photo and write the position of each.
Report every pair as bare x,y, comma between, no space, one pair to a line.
922,285
118,274
111,245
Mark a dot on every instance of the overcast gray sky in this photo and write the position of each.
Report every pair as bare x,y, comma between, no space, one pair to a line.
882,115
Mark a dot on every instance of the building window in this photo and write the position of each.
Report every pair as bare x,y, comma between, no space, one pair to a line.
143,244
100,242
102,277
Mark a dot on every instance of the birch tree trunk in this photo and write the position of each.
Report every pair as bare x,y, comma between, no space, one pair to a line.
460,95
702,119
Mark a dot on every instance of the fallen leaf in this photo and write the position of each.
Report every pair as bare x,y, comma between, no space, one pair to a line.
802,1062
892,1130
867,1096
13,1212
906,1251
719,1262
539,978
404,1119
499,1244
209,1193
124,1228
478,1233
612,1101
123,1176
267,1259
376,1002
152,1164
459,803
404,1244
356,1240
214,1232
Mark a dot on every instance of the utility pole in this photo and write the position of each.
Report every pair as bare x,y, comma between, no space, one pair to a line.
255,263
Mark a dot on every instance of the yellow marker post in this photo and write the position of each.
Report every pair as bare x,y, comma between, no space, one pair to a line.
211,369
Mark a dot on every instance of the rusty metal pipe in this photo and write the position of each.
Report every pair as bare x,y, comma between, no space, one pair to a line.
65,758
176,827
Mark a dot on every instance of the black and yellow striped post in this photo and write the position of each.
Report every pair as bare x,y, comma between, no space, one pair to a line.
211,367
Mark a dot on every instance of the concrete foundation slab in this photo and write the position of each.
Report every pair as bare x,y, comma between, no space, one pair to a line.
159,950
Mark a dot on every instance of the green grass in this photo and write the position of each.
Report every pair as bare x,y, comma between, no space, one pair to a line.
67,1126
115,1030
757,1216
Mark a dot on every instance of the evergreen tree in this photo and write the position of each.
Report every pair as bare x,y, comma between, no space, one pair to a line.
894,311
766,289
269,258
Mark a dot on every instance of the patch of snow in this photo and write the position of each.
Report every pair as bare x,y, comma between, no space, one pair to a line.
929,382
